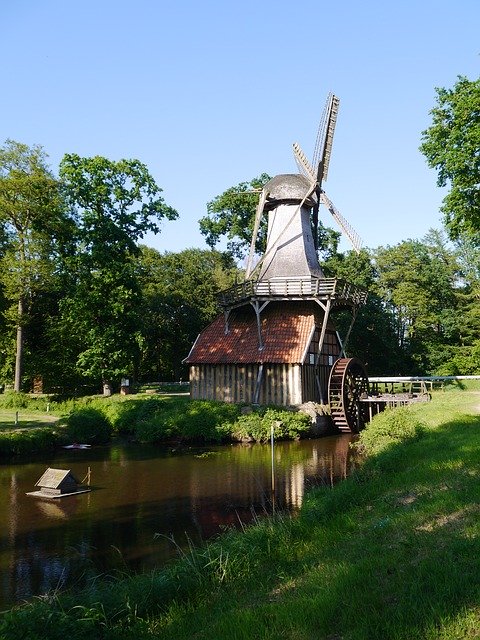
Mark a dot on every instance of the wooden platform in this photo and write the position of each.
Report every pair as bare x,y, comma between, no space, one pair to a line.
41,494
339,292
382,401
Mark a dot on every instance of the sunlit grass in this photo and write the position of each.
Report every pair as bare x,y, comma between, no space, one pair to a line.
10,419
393,552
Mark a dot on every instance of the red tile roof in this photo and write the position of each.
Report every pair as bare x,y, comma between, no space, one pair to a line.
286,331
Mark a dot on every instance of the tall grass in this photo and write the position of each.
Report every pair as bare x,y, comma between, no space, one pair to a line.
393,552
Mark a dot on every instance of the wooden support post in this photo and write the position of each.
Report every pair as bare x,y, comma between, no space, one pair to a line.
258,310
344,346
319,388
258,384
226,313
321,340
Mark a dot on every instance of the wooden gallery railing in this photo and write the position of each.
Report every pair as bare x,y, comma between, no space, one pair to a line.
339,291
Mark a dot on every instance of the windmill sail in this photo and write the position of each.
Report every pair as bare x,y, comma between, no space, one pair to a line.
317,171
344,225
323,145
303,164
258,217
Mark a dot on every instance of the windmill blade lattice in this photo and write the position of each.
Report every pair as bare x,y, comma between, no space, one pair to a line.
303,164
323,144
345,226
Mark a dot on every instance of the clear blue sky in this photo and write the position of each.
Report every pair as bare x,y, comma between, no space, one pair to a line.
209,94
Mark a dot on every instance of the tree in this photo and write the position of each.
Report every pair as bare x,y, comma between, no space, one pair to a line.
179,298
232,215
419,281
451,145
31,220
116,203
463,357
373,337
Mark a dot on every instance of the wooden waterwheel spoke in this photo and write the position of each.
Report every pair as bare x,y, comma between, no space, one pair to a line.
348,381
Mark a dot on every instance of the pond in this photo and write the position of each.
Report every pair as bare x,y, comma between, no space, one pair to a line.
145,505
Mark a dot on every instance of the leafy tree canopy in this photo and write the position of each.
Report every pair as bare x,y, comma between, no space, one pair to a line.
116,204
231,215
352,267
179,299
451,145
32,223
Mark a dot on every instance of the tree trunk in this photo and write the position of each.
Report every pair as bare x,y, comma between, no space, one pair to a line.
19,354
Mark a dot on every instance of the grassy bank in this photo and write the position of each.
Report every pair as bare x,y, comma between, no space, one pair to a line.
392,552
45,423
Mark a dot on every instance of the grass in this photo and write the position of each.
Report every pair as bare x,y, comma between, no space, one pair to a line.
26,419
393,552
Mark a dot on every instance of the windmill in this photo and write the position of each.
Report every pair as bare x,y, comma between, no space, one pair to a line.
315,174
276,342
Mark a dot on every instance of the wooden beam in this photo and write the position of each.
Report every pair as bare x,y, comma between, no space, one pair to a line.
344,346
258,384
258,310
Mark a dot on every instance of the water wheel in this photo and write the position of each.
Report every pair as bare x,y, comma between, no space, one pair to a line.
348,382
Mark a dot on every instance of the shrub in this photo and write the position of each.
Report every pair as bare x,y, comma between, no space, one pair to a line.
199,420
390,427
207,421
87,425
151,431
257,425
24,442
14,400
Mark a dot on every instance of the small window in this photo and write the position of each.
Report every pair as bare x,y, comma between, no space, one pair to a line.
311,358
330,361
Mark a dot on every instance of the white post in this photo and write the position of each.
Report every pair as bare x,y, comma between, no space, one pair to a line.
273,458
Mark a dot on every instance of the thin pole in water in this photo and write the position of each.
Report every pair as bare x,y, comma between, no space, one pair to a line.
87,477
272,445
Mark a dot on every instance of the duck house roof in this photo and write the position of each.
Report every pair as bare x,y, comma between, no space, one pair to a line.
54,478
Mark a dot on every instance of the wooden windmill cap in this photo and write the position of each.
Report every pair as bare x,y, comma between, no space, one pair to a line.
289,187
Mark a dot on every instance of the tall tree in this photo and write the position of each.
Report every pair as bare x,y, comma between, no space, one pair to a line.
31,216
451,145
463,357
231,215
373,338
116,204
419,280
179,298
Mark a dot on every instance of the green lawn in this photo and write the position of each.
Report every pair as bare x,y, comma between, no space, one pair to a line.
26,419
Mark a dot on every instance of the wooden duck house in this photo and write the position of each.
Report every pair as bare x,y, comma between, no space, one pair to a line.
58,483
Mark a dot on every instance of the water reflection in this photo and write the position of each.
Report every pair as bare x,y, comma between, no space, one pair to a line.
185,496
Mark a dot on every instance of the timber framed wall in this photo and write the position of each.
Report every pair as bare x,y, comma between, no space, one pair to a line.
280,384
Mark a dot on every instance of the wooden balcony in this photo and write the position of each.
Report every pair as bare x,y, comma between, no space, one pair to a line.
341,294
